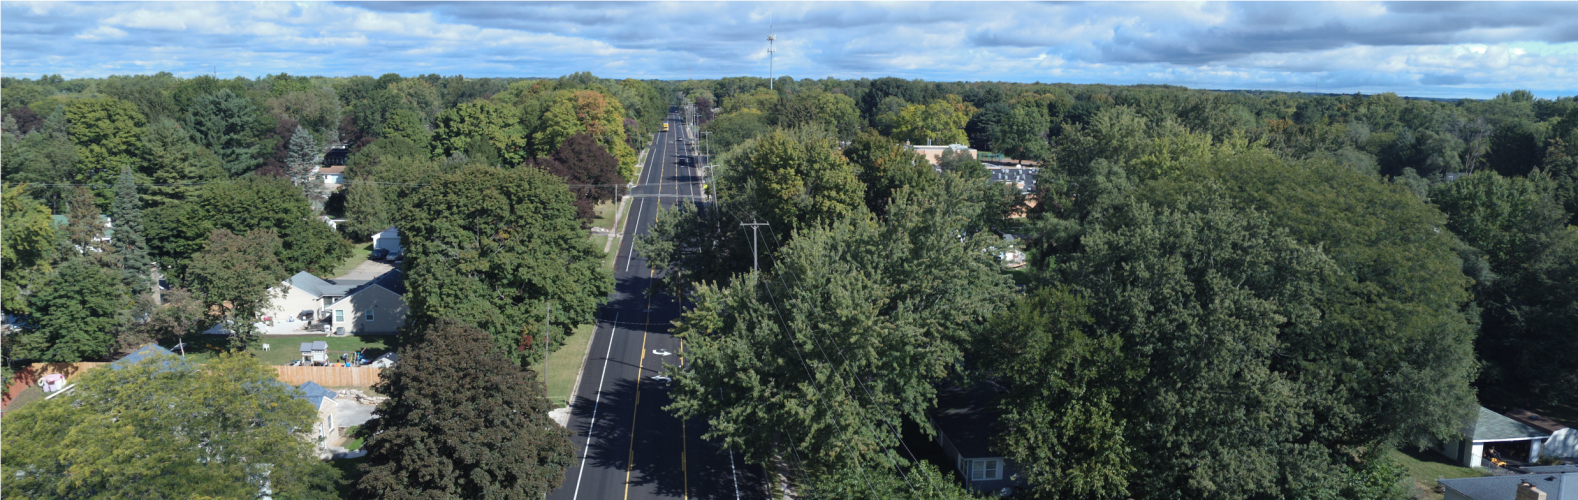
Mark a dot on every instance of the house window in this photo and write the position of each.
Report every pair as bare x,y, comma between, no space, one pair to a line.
369,315
984,470
339,315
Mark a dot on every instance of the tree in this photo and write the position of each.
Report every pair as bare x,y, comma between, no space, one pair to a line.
938,122
365,210
27,248
885,166
1517,230
74,314
1022,133
962,163
495,248
462,421
174,166
733,129
108,135
174,232
1514,149
585,111
235,276
582,161
84,225
835,112
45,156
127,239
303,161
456,128
791,180
222,429
843,341
225,123
259,202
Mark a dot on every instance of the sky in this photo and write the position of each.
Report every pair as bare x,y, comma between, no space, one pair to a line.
1425,49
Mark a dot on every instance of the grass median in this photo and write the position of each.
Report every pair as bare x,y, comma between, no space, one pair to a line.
564,364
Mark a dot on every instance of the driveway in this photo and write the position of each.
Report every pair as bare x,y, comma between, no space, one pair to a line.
348,413
366,271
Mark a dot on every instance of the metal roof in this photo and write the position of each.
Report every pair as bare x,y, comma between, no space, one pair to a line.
1555,486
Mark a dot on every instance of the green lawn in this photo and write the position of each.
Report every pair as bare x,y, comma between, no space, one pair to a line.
604,215
286,348
355,443
359,254
1426,466
564,364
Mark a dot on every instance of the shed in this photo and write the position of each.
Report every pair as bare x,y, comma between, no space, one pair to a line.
315,352
1494,429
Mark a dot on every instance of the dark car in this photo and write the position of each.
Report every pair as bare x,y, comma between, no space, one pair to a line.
378,254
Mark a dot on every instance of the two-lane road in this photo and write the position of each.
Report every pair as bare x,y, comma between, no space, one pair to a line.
627,446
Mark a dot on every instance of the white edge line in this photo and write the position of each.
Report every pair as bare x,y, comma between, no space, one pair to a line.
598,402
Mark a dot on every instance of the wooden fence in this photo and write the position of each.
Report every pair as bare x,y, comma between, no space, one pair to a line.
329,376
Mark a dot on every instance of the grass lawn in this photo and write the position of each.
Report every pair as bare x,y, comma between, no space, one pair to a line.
1021,276
1425,467
355,443
359,254
564,364
27,395
286,348
604,215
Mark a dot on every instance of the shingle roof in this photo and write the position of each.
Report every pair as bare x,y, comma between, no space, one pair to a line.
316,286
314,346
314,393
145,352
1492,426
968,417
1555,486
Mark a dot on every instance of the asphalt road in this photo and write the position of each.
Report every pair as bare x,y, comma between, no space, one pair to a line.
626,445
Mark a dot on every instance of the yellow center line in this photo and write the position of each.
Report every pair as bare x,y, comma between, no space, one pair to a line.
630,463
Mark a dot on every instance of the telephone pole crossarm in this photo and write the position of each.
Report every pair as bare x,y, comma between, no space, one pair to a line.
755,266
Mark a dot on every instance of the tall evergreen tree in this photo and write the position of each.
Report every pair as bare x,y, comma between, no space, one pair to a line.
127,239
365,210
224,123
302,161
462,421
174,165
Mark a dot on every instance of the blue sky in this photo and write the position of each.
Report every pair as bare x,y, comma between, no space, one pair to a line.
1466,49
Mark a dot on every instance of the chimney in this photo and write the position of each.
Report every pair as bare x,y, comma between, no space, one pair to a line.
1527,491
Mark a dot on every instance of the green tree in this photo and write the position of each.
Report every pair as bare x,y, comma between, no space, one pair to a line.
174,232
843,340
301,162
44,156
74,314
962,163
1515,149
484,120
163,427
108,135
85,226
365,211
235,276
835,112
1022,133
496,248
127,239
584,111
175,166
733,129
1517,229
226,123
462,421
938,122
885,166
28,245
792,180
258,202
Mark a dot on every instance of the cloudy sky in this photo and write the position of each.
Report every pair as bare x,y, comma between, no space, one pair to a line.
1412,48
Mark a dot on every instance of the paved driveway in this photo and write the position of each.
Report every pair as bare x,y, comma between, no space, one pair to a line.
348,413
367,270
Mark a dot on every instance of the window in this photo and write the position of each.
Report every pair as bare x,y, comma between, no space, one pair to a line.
369,315
339,315
983,470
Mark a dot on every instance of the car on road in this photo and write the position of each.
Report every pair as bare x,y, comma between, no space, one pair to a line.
378,254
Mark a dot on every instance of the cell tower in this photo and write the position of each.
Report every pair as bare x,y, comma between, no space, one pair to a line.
770,51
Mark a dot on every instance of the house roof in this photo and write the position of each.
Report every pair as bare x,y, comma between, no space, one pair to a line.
1555,486
314,346
1533,420
314,393
318,287
336,169
145,352
1492,426
968,417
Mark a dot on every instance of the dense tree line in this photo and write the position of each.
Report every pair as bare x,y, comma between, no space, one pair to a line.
1299,282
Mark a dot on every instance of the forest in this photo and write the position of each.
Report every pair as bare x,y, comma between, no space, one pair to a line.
1226,294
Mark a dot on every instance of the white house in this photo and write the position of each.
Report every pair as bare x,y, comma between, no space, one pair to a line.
324,430
333,176
313,304
388,239
1492,434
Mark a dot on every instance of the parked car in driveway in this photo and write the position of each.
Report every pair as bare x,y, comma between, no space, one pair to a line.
378,254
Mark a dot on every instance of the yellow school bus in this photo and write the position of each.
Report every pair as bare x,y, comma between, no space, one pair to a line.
665,127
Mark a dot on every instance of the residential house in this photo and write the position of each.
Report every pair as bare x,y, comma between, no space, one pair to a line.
933,154
1493,435
1540,483
336,156
324,429
333,176
313,304
965,420
140,354
388,239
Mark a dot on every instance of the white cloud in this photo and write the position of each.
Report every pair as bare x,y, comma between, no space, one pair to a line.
100,33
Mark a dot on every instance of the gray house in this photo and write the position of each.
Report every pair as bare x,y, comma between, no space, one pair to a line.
966,419
1553,482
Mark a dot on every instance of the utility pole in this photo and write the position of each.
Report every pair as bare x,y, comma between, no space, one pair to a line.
546,333
770,51
755,266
